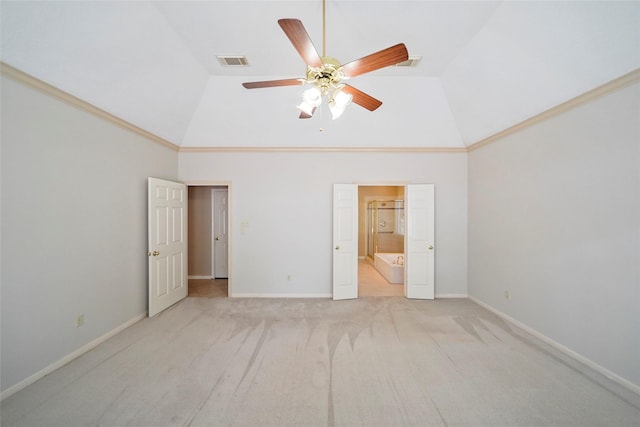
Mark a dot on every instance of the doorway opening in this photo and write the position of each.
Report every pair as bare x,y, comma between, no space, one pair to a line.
381,229
208,241
419,254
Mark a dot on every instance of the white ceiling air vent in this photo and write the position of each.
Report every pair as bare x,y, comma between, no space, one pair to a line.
413,61
233,60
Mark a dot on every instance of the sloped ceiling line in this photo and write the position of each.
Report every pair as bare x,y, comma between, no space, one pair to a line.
30,81
612,86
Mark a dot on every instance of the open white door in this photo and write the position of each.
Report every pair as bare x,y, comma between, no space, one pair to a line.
419,239
345,241
167,244
221,234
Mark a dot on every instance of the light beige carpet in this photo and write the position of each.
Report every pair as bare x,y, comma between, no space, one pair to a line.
367,362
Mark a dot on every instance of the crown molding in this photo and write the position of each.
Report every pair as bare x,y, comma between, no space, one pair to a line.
607,88
323,149
30,81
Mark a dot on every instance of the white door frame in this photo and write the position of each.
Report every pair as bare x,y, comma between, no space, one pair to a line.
229,224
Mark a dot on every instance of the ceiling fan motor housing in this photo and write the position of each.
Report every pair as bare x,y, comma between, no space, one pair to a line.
329,76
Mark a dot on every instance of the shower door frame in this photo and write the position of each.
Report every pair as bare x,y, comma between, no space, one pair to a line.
367,200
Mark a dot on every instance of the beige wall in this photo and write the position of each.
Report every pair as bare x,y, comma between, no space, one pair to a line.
554,219
74,227
281,214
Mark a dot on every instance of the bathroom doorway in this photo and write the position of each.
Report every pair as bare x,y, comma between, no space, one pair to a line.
208,241
381,240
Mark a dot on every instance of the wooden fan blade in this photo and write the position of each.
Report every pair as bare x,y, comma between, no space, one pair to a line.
361,98
294,29
304,115
274,83
384,58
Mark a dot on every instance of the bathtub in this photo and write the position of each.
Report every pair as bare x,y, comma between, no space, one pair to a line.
391,266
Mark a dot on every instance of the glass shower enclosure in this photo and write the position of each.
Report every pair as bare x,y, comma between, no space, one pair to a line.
385,227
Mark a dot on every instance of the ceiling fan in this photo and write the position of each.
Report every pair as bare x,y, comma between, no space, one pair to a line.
326,74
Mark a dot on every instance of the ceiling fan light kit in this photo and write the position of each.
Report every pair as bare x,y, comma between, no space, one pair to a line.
311,99
325,74
339,102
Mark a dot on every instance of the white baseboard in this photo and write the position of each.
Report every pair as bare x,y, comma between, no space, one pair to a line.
200,277
68,358
250,295
241,295
443,296
567,351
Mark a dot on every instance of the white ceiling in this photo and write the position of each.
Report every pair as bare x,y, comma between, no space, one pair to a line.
485,65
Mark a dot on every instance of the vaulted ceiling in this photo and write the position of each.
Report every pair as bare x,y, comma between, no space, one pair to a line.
485,65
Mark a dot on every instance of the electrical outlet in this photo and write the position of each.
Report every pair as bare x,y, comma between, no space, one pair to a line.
80,320
506,295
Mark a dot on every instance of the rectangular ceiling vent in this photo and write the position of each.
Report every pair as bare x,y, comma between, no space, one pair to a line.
233,60
413,61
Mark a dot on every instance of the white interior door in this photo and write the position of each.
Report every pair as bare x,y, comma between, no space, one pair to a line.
345,241
419,241
220,234
167,244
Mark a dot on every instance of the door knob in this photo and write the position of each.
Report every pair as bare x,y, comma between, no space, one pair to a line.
337,248
217,238
154,253
430,247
